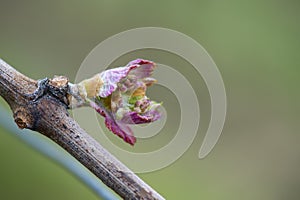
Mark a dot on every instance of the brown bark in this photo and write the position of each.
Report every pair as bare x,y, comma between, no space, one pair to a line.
48,115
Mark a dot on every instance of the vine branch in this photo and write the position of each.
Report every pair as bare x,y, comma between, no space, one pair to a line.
47,114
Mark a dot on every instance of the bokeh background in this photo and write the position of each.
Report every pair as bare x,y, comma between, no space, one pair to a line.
256,46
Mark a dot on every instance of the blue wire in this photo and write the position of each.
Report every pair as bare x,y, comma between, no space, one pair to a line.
57,154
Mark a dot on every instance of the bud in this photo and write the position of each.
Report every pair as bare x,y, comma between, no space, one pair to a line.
119,95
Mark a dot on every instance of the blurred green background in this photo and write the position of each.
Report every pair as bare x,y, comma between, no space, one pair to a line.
256,46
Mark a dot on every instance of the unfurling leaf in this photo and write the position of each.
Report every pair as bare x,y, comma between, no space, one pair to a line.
119,95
